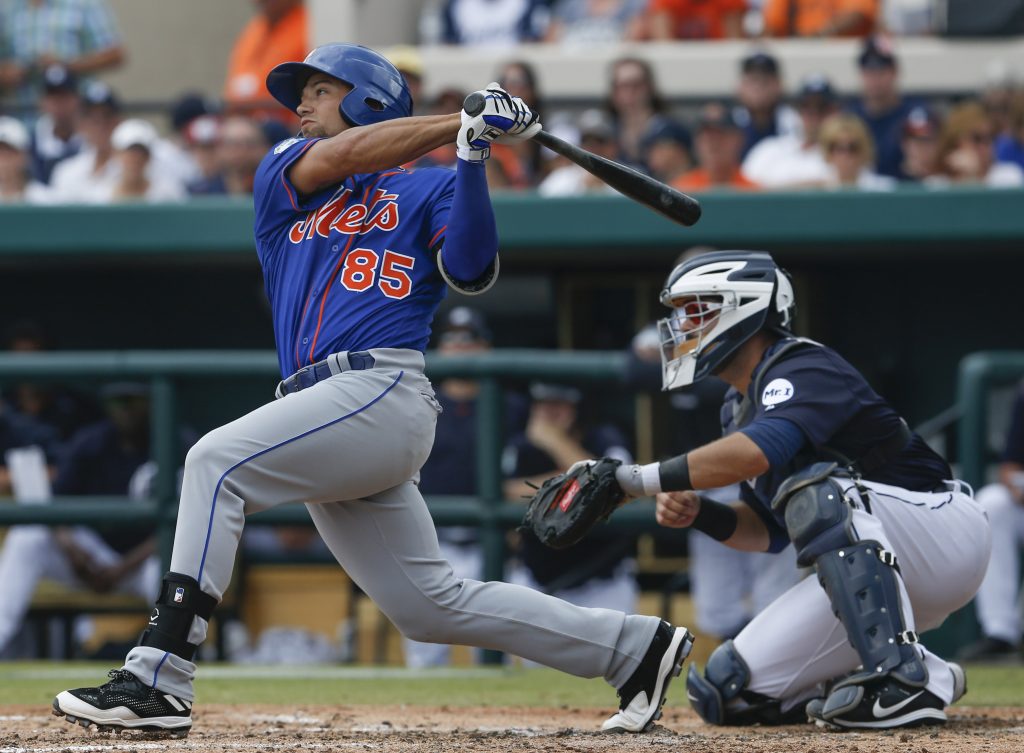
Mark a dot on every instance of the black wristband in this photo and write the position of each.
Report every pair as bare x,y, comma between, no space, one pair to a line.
717,520
675,474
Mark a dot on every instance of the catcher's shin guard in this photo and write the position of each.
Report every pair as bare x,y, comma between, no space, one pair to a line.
860,577
170,624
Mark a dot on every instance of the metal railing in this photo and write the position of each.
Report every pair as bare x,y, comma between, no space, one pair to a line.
165,371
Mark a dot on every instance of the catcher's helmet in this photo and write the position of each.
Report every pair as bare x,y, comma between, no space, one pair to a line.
719,300
379,91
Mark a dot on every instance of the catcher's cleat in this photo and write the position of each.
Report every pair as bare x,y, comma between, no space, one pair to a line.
125,702
641,698
888,704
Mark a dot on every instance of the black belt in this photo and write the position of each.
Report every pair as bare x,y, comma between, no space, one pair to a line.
333,365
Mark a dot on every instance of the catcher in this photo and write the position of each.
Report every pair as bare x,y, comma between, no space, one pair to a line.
826,463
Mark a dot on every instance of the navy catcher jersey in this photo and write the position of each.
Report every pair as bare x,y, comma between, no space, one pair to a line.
836,410
352,266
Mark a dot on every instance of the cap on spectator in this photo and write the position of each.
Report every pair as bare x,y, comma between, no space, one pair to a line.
816,85
760,61
563,393
716,115
99,94
274,131
188,107
877,53
134,132
203,131
467,321
59,78
13,133
664,129
406,59
921,122
596,124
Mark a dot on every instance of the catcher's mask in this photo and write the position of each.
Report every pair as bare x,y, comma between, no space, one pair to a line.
718,301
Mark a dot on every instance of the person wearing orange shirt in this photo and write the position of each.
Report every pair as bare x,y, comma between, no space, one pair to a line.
719,146
820,18
694,19
277,34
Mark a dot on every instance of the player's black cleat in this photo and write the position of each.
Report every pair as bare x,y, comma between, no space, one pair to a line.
125,702
887,704
641,698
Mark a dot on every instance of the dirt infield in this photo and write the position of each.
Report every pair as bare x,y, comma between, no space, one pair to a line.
399,729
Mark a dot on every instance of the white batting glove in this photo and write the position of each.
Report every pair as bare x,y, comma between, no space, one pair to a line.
496,115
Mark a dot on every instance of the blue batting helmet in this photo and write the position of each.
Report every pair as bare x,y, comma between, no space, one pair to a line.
379,91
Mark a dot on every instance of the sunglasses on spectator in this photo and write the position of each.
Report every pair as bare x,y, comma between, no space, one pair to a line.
980,137
850,147
630,83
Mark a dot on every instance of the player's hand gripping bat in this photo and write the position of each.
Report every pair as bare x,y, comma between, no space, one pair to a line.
665,200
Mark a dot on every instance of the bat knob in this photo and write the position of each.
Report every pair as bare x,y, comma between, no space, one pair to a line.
474,104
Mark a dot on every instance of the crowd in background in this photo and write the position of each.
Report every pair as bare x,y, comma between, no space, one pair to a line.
69,138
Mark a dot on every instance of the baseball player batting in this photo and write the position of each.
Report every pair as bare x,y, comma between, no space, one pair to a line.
357,254
826,463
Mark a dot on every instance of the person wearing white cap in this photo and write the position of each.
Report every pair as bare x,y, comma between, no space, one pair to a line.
16,184
135,142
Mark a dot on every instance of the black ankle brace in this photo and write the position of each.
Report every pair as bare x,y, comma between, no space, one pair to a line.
179,603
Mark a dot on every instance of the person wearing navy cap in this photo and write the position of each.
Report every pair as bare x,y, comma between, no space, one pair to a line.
761,113
90,176
881,105
54,135
920,143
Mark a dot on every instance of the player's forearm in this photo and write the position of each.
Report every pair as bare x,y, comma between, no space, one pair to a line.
97,61
369,149
471,240
726,461
751,534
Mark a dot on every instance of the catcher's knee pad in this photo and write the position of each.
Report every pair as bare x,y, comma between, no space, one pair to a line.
720,695
818,517
180,601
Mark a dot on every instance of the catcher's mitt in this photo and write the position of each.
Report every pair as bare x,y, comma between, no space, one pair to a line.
568,505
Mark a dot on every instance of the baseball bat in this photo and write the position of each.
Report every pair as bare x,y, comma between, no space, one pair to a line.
667,201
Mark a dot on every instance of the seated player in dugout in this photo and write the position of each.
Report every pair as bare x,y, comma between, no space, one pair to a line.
826,463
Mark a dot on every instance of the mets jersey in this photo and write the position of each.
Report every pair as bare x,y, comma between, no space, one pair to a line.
353,266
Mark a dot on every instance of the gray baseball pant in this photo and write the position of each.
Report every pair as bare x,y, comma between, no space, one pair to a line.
348,448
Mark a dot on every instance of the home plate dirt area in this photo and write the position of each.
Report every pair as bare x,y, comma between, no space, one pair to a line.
398,729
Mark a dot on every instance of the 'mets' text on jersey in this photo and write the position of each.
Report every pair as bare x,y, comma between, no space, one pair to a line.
349,267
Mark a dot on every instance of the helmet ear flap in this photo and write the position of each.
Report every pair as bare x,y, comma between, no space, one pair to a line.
783,299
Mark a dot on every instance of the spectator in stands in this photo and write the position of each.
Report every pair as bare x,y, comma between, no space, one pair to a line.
850,155
110,457
16,183
19,430
597,135
448,101
202,140
719,144
668,151
90,175
635,105
997,604
276,34
579,23
920,144
1010,145
966,153
793,161
451,467
881,105
55,134
909,17
599,571
820,18
690,19
998,95
519,79
135,143
34,34
59,407
409,63
243,144
175,152
493,23
761,112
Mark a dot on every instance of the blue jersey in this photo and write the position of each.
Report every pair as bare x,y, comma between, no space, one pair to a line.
352,266
837,412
